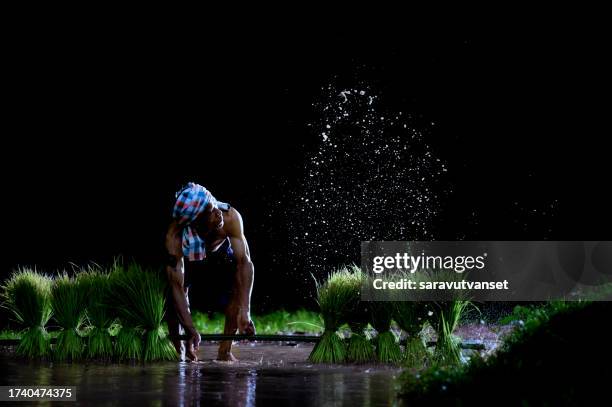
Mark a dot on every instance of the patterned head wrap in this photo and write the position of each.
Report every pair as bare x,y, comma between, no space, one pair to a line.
191,202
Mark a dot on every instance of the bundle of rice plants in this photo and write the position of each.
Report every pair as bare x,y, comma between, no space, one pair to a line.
387,343
140,300
68,302
27,295
128,343
336,299
410,317
359,348
410,314
128,340
444,318
100,315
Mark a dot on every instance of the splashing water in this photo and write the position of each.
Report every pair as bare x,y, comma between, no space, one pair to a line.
371,176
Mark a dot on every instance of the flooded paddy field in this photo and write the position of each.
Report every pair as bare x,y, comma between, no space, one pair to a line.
266,373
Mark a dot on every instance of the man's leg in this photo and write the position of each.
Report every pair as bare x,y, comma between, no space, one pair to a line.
225,266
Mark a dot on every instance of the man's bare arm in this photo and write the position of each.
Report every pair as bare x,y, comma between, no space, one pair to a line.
175,278
245,273
175,273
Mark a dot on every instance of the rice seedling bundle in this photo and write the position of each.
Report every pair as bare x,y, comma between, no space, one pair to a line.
444,319
410,317
128,341
359,348
140,300
336,298
410,313
100,315
27,295
68,301
444,316
387,343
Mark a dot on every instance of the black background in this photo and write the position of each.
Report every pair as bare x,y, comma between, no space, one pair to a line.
103,123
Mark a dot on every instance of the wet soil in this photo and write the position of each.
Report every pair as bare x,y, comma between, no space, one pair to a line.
267,373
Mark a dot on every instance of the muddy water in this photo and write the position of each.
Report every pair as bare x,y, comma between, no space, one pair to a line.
267,374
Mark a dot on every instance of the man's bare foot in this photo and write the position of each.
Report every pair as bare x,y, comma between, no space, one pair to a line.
226,357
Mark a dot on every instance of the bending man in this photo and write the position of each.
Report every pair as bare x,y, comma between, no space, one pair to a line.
209,233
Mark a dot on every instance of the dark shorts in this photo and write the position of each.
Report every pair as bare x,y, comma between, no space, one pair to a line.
211,281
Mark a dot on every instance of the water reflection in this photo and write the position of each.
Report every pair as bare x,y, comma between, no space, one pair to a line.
186,384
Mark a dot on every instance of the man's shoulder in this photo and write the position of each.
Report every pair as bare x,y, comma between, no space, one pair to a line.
173,239
233,221
232,215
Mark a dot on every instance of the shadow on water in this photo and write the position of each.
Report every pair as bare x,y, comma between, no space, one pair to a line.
185,384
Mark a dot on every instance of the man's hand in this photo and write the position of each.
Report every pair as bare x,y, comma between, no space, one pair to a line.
245,324
193,345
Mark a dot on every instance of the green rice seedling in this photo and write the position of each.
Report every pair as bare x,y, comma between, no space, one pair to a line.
68,302
410,317
210,325
305,321
387,343
410,313
157,346
282,321
9,334
100,315
27,294
267,324
128,338
329,349
359,347
272,323
140,300
128,343
153,307
444,318
336,299
415,353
